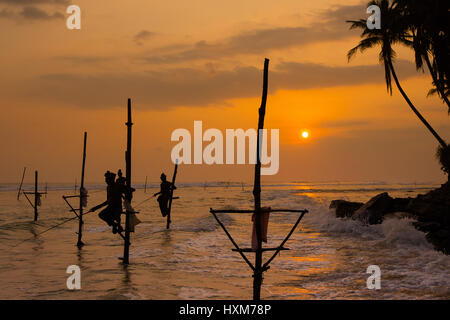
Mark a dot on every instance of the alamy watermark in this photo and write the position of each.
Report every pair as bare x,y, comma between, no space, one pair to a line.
213,152
73,22
74,280
374,21
374,281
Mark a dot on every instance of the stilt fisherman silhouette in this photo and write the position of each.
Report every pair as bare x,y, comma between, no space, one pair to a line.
114,191
164,197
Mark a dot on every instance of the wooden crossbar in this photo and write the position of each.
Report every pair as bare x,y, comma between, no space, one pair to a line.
29,201
121,234
253,211
263,249
71,208
75,196
124,212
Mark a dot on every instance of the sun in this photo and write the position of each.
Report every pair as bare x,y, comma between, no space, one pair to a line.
305,134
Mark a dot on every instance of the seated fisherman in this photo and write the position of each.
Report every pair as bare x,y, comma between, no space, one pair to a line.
164,197
111,214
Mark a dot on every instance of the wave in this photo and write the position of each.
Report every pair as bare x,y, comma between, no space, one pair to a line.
392,232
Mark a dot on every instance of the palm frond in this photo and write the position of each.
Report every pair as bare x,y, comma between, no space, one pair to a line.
355,24
362,46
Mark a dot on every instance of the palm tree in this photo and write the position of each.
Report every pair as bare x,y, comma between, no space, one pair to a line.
424,20
393,30
443,155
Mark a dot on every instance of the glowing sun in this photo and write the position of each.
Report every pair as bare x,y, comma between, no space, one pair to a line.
305,134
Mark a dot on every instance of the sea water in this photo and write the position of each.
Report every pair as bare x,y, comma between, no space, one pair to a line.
328,257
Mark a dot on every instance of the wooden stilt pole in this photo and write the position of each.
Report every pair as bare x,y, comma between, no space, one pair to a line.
126,250
21,183
145,185
36,195
171,195
259,268
82,195
258,271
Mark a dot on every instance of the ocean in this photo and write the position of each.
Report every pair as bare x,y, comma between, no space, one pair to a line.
328,257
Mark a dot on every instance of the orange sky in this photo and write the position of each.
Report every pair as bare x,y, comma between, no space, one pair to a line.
201,60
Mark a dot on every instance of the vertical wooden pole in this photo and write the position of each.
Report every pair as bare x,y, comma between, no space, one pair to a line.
126,250
21,183
257,274
145,185
171,194
36,195
82,194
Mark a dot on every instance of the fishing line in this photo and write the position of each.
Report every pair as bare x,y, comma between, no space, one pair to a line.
140,203
55,226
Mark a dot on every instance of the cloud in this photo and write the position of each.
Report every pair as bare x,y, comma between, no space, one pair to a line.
143,35
344,123
30,13
34,2
33,13
329,26
84,59
164,89
32,9
293,75
6,14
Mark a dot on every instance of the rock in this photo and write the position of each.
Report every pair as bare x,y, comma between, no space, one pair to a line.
440,240
400,204
345,208
433,206
372,212
427,226
399,215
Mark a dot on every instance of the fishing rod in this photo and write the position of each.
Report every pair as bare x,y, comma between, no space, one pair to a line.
55,226
140,203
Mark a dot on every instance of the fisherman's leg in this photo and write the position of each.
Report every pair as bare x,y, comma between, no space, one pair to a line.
118,220
117,227
105,215
162,205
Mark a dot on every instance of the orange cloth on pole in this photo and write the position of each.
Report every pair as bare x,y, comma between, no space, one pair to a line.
264,217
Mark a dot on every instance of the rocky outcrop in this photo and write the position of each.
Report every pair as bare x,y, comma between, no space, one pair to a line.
372,211
433,216
432,212
345,208
433,206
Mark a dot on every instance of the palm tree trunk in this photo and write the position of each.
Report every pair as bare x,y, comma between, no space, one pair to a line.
429,127
436,83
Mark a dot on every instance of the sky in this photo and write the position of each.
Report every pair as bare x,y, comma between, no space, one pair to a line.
181,61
